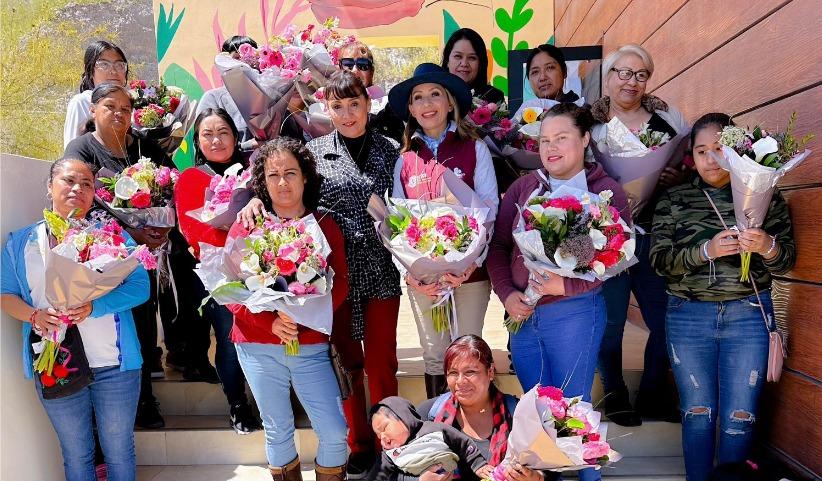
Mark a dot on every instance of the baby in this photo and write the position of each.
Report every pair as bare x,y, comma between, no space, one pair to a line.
413,446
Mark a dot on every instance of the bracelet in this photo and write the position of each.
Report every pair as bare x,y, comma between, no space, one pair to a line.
773,246
705,252
32,316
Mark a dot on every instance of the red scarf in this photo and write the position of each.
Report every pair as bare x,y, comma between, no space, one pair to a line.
501,418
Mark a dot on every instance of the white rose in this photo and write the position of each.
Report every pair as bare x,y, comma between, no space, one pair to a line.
568,263
599,238
763,147
251,265
125,188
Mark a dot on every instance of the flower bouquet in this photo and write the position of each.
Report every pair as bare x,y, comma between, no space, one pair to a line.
757,160
88,262
262,81
140,195
556,433
161,113
280,265
225,196
518,139
431,238
636,158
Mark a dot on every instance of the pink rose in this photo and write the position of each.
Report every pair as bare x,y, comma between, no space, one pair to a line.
472,223
146,258
531,145
480,116
297,288
141,200
246,50
558,408
320,94
492,107
550,392
163,176
104,194
215,181
593,450
614,213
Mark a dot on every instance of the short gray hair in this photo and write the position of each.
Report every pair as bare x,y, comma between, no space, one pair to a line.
629,49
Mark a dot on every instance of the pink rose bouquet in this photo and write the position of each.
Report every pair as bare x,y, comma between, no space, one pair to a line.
161,112
225,196
139,195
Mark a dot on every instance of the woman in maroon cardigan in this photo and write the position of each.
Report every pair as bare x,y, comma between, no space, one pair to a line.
285,178
558,341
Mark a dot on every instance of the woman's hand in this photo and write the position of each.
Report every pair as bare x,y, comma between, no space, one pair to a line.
517,307
430,290
436,473
521,473
455,281
47,320
248,215
756,240
547,284
725,243
79,314
671,176
284,327
485,472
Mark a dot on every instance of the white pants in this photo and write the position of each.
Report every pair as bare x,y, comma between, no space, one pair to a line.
471,302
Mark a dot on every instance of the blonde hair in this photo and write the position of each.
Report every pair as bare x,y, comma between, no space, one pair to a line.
464,129
357,48
629,49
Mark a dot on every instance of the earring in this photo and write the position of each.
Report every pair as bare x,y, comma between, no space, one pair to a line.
49,196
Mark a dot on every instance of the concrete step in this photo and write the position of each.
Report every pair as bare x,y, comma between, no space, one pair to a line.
193,440
260,473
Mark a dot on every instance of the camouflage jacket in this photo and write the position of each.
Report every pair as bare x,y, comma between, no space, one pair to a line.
684,220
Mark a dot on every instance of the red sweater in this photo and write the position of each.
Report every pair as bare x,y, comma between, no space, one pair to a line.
250,327
505,265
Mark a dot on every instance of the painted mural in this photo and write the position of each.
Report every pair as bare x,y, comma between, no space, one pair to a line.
402,33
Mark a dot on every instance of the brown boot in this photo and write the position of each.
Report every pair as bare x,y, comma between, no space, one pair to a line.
289,472
336,473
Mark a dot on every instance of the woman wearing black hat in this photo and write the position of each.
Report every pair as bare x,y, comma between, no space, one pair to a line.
433,101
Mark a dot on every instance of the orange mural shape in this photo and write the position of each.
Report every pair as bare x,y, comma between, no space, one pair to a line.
365,13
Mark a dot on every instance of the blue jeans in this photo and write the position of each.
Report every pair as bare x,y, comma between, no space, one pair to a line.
225,359
558,346
270,373
649,289
719,354
112,396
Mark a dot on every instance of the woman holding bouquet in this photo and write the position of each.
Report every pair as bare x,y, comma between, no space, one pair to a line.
716,327
106,327
355,162
626,74
558,340
103,62
437,137
465,56
286,180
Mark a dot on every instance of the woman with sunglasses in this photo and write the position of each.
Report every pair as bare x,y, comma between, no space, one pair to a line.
466,57
626,74
103,62
358,58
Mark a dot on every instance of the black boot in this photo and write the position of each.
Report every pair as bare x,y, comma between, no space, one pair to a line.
658,405
243,420
618,408
435,384
148,415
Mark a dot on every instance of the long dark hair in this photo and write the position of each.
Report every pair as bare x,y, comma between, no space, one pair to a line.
707,120
305,159
93,52
478,44
199,158
231,45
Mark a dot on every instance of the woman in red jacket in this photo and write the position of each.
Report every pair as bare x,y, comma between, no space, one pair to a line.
285,178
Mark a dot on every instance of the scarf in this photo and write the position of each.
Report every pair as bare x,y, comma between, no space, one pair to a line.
502,420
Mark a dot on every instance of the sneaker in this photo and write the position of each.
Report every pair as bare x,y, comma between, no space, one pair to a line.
243,419
201,372
619,410
359,465
148,415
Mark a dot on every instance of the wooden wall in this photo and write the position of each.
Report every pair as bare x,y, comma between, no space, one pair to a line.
758,60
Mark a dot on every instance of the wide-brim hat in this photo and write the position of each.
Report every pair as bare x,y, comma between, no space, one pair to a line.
429,73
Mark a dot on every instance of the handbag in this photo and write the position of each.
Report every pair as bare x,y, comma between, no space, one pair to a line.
340,372
776,344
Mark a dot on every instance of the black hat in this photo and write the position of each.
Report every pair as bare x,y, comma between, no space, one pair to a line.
429,73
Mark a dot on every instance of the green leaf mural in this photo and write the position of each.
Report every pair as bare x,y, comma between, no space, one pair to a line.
167,27
178,76
509,23
552,41
449,25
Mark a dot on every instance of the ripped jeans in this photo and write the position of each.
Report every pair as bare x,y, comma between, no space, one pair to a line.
719,355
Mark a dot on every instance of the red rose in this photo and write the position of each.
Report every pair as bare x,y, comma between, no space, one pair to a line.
60,371
47,380
609,258
613,230
285,266
141,200
550,392
593,437
173,103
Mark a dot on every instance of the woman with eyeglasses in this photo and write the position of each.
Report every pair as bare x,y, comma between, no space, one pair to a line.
626,73
466,57
103,62
358,58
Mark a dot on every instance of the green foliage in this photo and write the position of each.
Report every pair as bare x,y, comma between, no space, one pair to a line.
552,41
510,23
167,27
501,83
449,25
42,64
499,52
393,65
179,77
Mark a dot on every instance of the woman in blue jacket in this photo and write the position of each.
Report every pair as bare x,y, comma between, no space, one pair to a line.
108,340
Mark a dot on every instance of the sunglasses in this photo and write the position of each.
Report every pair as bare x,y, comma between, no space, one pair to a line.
362,64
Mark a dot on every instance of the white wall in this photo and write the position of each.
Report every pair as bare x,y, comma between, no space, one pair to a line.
28,445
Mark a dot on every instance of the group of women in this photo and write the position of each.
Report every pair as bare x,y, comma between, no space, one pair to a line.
707,324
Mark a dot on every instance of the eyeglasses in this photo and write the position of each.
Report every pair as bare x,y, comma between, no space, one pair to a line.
362,64
626,74
105,65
